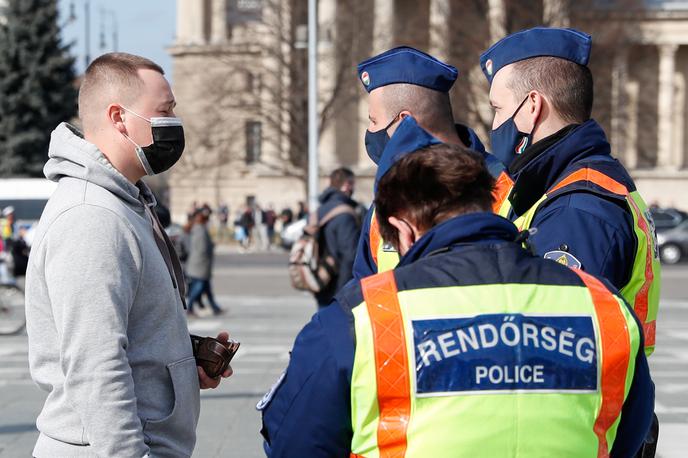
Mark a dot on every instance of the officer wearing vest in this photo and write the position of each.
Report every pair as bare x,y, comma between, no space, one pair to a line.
561,177
409,108
472,346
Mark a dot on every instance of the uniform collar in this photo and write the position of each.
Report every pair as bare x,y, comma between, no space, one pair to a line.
543,170
410,136
465,229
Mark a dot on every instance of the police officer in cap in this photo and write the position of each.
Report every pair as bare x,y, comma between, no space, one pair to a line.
471,346
409,107
563,179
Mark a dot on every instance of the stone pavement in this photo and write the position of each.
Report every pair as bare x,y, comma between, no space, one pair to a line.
265,314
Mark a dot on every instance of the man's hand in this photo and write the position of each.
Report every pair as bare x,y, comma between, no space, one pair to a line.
207,382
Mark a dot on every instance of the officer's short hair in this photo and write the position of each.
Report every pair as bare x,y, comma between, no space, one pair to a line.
340,176
112,77
432,185
432,109
568,85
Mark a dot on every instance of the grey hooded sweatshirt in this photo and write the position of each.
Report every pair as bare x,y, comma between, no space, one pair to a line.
108,339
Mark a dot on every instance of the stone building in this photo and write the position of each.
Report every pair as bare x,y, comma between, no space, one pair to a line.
240,81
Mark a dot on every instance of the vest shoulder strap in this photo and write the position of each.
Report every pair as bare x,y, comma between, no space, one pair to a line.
391,362
583,178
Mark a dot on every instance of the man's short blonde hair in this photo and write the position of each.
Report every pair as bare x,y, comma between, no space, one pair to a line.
111,78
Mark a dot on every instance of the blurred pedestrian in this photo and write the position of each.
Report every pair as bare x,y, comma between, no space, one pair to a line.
199,267
108,338
260,229
270,221
339,236
20,254
222,220
302,211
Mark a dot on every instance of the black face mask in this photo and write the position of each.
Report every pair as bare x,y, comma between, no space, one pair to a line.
167,147
375,142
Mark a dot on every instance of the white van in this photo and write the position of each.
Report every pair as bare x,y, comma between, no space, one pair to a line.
28,197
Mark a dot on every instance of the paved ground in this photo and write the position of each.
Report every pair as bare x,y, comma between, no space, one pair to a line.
265,315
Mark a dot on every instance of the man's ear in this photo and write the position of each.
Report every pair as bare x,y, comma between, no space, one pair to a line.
533,107
407,235
114,114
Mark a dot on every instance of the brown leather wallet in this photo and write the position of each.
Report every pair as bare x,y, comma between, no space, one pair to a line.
212,355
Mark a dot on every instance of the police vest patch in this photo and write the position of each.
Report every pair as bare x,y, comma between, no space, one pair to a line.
505,352
388,248
562,257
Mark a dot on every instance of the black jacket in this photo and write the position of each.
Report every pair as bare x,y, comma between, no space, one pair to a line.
340,238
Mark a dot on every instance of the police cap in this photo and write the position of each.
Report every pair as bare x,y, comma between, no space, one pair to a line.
569,44
406,65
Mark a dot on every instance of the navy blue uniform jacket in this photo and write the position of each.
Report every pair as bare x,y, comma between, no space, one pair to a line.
595,228
408,138
308,413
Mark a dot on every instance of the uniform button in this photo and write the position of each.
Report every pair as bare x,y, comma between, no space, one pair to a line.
564,247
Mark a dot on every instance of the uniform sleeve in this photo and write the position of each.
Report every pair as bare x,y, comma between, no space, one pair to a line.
308,413
637,411
597,232
92,272
364,264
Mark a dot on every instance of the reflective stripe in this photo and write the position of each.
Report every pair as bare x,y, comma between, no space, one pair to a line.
374,237
501,191
593,176
391,363
641,300
649,330
616,350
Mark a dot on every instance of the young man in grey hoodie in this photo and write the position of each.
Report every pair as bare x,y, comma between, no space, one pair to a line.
108,339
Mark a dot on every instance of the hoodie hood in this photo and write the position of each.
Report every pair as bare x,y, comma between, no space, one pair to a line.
70,155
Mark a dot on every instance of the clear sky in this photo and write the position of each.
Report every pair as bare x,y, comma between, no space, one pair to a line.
145,27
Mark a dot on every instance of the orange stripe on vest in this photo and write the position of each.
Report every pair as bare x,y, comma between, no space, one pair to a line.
374,237
391,363
616,349
501,191
642,297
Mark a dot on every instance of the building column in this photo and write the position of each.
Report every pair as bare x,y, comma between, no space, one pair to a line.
665,105
679,120
555,13
497,15
190,22
218,28
632,93
619,105
383,25
439,29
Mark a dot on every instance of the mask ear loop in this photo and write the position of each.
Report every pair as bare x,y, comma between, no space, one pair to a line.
137,148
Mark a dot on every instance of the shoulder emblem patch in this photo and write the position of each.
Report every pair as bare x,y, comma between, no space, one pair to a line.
562,257
263,403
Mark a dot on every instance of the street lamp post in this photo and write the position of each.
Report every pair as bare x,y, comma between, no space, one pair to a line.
312,106
87,33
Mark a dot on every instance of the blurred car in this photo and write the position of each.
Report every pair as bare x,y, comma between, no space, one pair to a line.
667,218
27,197
673,244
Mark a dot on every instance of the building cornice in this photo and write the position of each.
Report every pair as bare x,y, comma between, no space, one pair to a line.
180,50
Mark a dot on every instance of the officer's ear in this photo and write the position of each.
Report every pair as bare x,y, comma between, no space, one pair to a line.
533,110
408,234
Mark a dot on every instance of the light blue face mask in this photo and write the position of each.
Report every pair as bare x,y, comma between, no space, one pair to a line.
507,141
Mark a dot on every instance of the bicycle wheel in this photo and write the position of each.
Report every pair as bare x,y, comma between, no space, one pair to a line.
12,318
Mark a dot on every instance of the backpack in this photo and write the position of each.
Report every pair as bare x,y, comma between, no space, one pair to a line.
311,268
